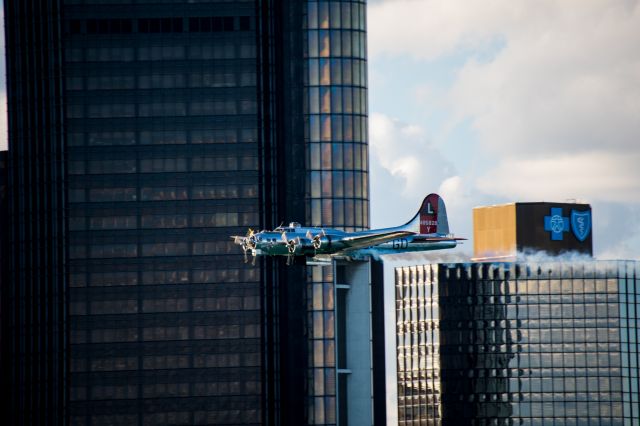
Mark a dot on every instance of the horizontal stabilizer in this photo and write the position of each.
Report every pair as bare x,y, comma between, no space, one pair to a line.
418,238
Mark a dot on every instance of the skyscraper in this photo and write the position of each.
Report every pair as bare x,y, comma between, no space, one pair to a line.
142,134
505,343
524,343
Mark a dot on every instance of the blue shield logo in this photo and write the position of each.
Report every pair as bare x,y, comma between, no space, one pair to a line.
581,224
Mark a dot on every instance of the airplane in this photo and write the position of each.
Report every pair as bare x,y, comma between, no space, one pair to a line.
427,230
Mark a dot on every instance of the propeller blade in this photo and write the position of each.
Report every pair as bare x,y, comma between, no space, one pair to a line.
251,241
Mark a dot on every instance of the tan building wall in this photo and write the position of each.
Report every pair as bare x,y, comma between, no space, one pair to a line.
494,232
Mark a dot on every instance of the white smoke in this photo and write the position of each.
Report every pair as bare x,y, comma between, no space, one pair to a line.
525,256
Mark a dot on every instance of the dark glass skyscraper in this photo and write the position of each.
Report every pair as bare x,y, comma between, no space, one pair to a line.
142,134
527,343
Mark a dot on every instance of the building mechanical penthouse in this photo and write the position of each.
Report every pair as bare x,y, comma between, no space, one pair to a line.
141,134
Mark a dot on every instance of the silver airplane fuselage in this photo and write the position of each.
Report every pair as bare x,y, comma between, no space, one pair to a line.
427,230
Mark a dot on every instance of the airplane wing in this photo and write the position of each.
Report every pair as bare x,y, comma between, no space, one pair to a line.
373,239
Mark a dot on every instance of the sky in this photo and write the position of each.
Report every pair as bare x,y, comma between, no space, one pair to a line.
500,101
504,101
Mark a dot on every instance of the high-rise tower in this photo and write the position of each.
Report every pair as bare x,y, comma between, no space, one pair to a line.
142,133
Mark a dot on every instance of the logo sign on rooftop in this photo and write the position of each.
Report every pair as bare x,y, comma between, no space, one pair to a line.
581,224
557,224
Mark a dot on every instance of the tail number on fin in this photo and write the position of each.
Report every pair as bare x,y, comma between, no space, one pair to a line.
429,215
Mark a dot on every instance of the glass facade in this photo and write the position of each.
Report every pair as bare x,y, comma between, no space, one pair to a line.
322,373
336,114
337,179
162,152
518,343
143,134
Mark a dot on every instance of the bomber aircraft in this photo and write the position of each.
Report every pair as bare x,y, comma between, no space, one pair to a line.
427,230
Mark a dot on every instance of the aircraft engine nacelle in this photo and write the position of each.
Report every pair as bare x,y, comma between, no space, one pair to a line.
322,243
300,246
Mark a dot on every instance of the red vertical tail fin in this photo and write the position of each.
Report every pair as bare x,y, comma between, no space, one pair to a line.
431,218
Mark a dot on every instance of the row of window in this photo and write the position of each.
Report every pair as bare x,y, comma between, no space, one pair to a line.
336,14
525,316
165,137
324,381
175,3
338,184
128,194
236,49
560,363
414,329
336,72
195,304
533,288
200,24
247,415
322,353
165,80
347,214
169,277
165,362
163,165
165,390
336,44
164,333
130,250
336,127
496,276
172,108
337,100
161,221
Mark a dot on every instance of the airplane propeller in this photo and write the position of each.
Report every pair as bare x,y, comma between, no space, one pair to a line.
316,240
293,244
248,242
250,239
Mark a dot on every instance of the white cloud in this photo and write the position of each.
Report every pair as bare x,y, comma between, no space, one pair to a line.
405,167
563,82
566,84
426,29
550,90
602,175
403,150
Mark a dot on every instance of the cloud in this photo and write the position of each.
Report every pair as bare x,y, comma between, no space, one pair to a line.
544,84
403,150
405,167
427,29
598,175
616,230
568,83
549,92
